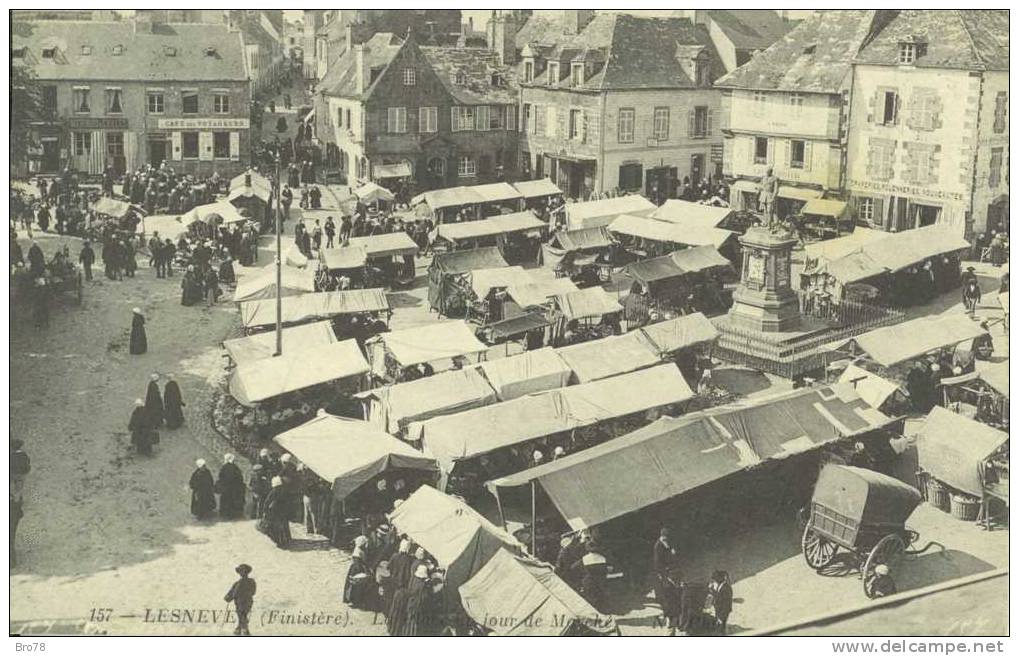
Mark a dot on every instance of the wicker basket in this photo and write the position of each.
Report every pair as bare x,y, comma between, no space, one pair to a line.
937,495
965,507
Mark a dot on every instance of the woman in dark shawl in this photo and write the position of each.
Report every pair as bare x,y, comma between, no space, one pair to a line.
230,486
173,404
357,585
140,429
139,342
410,606
187,287
275,522
203,497
154,403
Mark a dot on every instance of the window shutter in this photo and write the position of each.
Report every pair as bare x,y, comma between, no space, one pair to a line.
175,145
914,110
453,120
235,146
691,123
879,212
771,151
934,164
422,119
751,149
787,153
551,121
583,128
205,146
563,124
711,123
807,146
936,107
898,102
875,102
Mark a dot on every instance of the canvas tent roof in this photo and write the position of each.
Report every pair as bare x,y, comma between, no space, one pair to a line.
996,376
798,193
872,388
609,356
438,199
536,188
533,599
398,170
463,261
484,281
526,373
259,188
118,209
270,377
598,213
539,292
895,252
686,213
349,453
582,239
386,245
263,285
496,192
833,249
370,192
317,305
892,345
672,233
444,393
667,337
226,212
263,345
675,455
677,264
483,430
516,325
344,257
431,342
460,539
588,303
494,225
823,207
951,448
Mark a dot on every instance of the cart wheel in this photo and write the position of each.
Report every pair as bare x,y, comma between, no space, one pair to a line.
887,551
78,288
818,551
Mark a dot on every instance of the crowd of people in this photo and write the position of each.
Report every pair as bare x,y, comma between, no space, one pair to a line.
159,409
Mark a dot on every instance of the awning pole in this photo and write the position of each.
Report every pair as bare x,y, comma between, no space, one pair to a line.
534,516
498,503
279,264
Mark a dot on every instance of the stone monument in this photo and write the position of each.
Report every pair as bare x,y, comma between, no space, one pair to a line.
765,301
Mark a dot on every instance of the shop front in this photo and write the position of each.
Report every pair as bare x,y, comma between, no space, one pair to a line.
199,146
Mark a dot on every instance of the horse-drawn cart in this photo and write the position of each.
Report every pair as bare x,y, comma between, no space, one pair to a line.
861,512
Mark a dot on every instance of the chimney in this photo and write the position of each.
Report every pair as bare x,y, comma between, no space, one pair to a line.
575,20
361,70
502,35
350,36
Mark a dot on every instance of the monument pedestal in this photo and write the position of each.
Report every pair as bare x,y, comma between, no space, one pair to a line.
765,301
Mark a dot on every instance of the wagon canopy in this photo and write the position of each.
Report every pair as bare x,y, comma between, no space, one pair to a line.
262,284
526,373
263,345
448,392
598,213
892,345
609,356
429,343
537,188
223,211
460,539
349,453
318,305
528,599
675,455
389,244
953,449
589,303
270,377
996,376
865,496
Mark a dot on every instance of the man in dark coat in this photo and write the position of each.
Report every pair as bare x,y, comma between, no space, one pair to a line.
168,252
141,432
36,261
275,521
139,342
663,563
259,486
203,496
720,590
173,403
87,257
230,486
242,593
154,402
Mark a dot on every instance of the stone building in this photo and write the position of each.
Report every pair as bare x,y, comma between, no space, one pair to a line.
614,101
442,116
788,109
126,93
928,138
740,34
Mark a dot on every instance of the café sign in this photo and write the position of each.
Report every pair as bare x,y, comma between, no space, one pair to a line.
905,190
203,124
97,123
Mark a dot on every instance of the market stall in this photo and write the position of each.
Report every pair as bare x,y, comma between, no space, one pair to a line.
584,314
393,407
344,266
517,235
514,596
252,192
259,380
213,215
893,345
607,357
647,237
482,291
528,328
390,257
448,343
474,202
370,193
537,193
686,341
302,308
538,294
308,337
822,218
123,215
527,373
878,392
351,456
582,255
262,284
447,267
600,213
686,280
981,394
686,213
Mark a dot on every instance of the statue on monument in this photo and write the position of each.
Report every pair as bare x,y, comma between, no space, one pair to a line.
769,191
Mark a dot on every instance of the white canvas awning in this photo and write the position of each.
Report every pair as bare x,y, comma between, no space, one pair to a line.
310,336
270,377
438,341
263,285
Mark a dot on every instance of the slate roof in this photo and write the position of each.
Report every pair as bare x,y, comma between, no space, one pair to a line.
144,56
817,55
751,29
966,39
341,78
638,52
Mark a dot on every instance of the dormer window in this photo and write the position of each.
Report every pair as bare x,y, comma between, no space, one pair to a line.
118,50
577,74
907,53
461,78
498,80
49,53
169,51
86,51
553,74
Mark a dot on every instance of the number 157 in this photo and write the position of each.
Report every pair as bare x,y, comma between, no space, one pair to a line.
101,614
